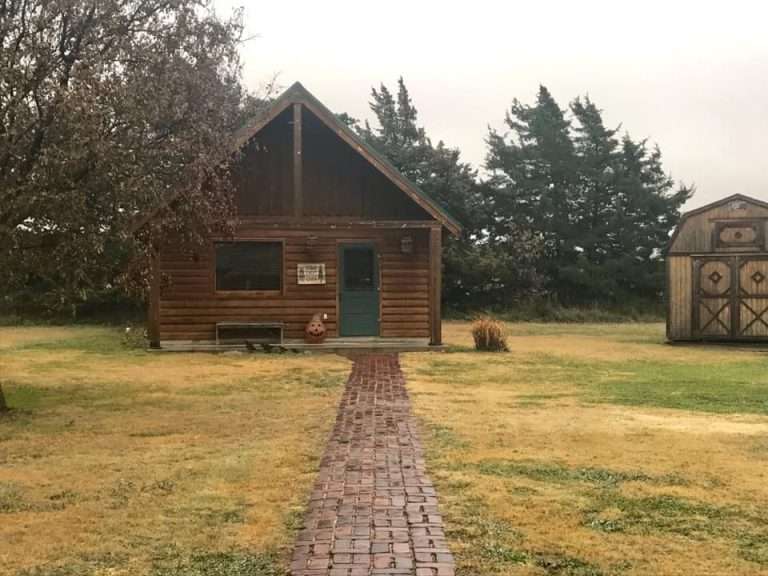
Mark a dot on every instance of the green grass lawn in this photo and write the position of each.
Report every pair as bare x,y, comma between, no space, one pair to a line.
123,462
587,450
598,450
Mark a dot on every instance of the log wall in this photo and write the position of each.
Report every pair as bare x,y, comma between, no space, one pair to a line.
189,305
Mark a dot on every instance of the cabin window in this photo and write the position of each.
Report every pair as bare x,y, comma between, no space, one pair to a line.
249,266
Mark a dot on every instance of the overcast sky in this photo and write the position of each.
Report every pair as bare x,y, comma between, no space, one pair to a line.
690,76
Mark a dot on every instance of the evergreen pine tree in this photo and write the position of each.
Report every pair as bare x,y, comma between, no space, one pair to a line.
648,208
533,182
595,228
478,271
603,206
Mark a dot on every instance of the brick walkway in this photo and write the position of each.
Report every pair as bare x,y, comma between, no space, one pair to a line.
373,509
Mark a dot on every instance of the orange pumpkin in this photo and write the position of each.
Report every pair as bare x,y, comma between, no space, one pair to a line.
315,331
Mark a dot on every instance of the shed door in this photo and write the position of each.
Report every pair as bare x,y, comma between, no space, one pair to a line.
713,297
731,297
753,297
358,290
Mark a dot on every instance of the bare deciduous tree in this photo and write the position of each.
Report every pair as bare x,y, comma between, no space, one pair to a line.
106,107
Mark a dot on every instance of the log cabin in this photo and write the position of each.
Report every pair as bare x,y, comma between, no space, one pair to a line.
325,225
717,273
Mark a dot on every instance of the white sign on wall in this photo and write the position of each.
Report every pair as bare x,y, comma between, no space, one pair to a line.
310,273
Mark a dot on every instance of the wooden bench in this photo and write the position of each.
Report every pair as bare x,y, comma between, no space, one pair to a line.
274,325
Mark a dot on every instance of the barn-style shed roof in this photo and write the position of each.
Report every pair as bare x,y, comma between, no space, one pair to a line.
298,94
722,202
716,206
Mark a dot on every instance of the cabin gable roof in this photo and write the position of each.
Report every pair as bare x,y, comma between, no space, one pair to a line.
297,94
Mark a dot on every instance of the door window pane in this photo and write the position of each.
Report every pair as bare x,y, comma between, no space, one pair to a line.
249,266
359,269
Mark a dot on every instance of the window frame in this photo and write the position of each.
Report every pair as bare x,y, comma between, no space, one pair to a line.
249,293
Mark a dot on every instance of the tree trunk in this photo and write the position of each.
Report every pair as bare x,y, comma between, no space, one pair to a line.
3,405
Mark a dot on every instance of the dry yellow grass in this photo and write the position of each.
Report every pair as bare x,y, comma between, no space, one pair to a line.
610,342
554,459
118,459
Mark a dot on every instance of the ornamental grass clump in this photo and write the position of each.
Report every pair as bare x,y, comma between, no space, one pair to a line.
489,335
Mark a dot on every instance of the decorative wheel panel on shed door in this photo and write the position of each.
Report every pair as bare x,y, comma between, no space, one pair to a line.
731,297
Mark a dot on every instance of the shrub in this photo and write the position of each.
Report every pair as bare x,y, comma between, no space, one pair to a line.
489,335
135,337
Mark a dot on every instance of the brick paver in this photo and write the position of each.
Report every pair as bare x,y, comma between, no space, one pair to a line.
373,510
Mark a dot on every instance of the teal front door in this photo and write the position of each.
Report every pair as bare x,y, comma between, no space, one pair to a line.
358,290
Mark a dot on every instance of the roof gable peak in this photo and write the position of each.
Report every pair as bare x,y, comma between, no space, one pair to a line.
297,93
725,200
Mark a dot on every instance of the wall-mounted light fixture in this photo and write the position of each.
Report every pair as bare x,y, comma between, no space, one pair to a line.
311,243
406,244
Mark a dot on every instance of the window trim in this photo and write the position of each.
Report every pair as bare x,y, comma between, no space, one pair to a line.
249,293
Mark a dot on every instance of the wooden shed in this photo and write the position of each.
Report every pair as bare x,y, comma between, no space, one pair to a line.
326,225
717,272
